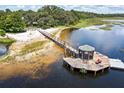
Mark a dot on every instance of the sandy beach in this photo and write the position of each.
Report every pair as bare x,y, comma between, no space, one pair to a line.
30,34
29,64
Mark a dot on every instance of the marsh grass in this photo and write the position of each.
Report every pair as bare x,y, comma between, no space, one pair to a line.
107,27
32,47
90,22
114,18
6,58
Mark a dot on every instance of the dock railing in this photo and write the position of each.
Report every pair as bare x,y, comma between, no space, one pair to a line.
58,41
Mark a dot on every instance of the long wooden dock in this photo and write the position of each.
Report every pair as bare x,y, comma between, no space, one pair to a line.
78,63
60,42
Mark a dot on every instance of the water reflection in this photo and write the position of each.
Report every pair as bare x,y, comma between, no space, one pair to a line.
106,42
86,75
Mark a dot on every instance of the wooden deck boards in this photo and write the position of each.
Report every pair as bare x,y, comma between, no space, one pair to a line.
59,42
88,65
116,64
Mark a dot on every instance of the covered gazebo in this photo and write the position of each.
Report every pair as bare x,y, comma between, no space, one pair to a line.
86,52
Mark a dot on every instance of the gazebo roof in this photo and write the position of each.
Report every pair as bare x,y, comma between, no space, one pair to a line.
86,48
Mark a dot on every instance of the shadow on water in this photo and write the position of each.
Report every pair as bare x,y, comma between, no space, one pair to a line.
87,75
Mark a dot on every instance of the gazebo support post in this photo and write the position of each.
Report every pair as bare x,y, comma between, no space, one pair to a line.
95,73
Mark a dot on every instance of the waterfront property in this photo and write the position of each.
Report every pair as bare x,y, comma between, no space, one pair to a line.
89,60
84,59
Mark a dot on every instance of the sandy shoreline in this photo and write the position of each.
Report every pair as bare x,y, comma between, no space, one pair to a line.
30,34
30,64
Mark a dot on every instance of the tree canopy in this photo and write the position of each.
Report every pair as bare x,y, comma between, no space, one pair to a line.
45,17
12,22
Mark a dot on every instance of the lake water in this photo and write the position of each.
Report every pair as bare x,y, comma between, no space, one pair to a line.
106,42
3,49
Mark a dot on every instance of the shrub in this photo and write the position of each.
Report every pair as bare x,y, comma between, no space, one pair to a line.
2,32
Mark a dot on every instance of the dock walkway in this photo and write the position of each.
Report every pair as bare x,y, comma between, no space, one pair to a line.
78,63
59,42
116,64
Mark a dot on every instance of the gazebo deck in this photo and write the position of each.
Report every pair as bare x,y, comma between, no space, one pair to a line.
89,65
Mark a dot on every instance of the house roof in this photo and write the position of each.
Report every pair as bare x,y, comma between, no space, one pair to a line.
87,48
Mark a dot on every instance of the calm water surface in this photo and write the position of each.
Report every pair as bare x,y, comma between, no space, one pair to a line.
3,49
106,42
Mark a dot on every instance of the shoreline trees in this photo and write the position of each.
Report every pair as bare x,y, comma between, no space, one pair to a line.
45,17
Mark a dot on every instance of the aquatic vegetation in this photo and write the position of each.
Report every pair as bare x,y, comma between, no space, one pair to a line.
90,22
93,29
122,22
114,18
107,27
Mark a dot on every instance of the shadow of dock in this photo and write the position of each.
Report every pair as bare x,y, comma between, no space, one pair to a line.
88,75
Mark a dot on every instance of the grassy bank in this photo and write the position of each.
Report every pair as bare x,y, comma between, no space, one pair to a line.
7,41
89,22
94,21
